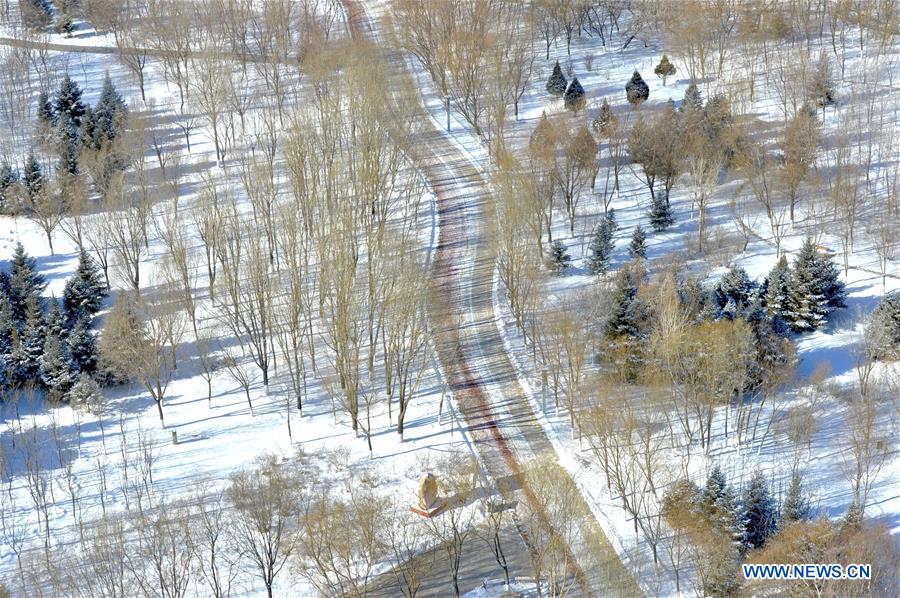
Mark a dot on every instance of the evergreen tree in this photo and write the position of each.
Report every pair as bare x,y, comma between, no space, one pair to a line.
733,288
759,514
33,178
638,246
636,90
574,97
815,289
796,505
719,503
7,328
84,292
82,346
45,115
623,320
110,112
884,327
559,257
68,105
604,120
611,218
54,320
85,392
24,283
777,290
31,344
601,247
693,99
8,178
557,83
661,216
55,369
664,69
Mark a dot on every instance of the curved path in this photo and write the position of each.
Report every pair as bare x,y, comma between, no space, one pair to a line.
499,416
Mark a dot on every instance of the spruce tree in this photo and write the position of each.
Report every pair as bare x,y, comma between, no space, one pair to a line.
796,505
759,512
33,177
45,115
604,120
55,369
31,344
623,321
638,246
734,287
54,320
559,257
86,393
693,99
82,346
601,247
110,112
720,504
557,83
25,283
815,289
574,97
661,216
636,90
8,178
84,292
884,327
777,290
68,105
664,69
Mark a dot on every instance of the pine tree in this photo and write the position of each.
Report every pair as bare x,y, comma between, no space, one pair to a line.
574,97
601,247
638,246
55,369
815,289
636,90
623,321
86,393
664,69
7,328
777,290
24,283
557,83
604,120
796,505
661,216
54,320
559,257
84,292
693,99
82,346
759,512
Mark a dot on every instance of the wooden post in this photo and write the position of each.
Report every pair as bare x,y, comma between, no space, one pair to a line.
174,437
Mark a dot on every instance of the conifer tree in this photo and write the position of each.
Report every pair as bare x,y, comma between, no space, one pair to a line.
815,289
559,257
55,369
720,503
638,246
623,320
45,115
86,392
82,346
693,99
32,343
574,97
54,320
84,292
33,177
7,328
884,327
601,247
110,112
25,283
8,178
777,290
734,287
68,106
661,216
604,120
557,83
796,505
636,90
664,69
759,512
